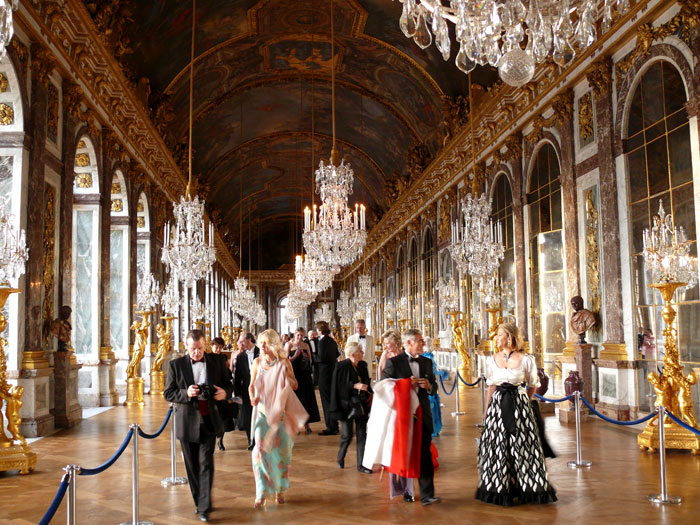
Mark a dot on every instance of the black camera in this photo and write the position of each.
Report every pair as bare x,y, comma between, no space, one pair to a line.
205,391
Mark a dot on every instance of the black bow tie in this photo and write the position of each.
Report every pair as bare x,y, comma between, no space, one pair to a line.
414,359
193,361
362,336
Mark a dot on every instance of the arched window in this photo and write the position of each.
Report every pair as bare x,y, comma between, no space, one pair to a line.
400,275
143,237
86,252
428,281
414,287
659,168
286,325
502,213
119,243
547,284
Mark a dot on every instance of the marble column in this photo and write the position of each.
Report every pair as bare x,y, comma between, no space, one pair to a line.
106,369
600,79
521,316
565,127
35,371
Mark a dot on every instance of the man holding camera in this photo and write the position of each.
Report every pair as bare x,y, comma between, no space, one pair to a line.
195,382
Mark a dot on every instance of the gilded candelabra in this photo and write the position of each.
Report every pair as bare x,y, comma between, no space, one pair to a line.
672,387
134,381
459,338
165,346
227,335
344,334
495,319
14,451
207,331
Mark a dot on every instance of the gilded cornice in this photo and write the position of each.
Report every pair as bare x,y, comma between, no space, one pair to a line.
269,277
527,105
600,76
42,64
69,32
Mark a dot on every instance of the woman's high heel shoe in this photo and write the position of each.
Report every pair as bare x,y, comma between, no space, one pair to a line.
280,499
259,503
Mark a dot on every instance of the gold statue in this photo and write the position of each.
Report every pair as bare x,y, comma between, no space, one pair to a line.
14,403
460,341
164,346
141,332
227,335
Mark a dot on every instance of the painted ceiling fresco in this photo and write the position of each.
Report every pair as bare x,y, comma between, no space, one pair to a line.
262,67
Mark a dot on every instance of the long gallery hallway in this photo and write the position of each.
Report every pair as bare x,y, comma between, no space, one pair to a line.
613,490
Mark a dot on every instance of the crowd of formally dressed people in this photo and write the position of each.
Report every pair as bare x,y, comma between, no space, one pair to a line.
267,390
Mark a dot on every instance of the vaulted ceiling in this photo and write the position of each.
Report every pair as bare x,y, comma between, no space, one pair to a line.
262,104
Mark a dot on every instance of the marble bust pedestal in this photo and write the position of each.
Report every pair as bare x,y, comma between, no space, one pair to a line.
581,361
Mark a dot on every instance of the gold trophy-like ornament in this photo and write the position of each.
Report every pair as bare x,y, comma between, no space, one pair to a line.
448,296
666,252
15,454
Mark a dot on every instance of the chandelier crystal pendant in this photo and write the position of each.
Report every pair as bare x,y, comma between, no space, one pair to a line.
186,253
448,295
667,252
345,309
13,247
477,244
147,293
198,310
7,28
324,313
512,35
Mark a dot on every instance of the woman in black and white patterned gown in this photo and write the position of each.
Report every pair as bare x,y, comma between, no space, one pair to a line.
511,461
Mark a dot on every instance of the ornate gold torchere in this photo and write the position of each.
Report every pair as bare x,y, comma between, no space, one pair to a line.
673,389
226,335
390,322
495,319
14,452
344,334
402,324
165,346
134,381
207,332
459,327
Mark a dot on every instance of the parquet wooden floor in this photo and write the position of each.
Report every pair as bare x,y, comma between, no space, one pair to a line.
614,490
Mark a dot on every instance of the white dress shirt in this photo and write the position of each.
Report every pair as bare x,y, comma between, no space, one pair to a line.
199,371
251,357
415,369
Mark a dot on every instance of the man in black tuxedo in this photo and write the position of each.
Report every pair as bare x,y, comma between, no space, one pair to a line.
420,369
195,383
241,381
327,358
312,341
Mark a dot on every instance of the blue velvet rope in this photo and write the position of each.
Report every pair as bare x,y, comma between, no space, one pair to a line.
550,400
469,384
443,387
58,498
110,462
160,430
683,424
615,421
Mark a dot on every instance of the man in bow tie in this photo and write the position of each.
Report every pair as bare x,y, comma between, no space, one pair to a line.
241,381
411,364
197,417
366,342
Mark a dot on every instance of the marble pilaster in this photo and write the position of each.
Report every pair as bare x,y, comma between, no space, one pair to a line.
565,127
521,316
34,376
600,79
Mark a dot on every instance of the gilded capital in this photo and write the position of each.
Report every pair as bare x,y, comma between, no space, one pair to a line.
600,76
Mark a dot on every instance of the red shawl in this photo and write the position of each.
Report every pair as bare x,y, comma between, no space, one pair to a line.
405,452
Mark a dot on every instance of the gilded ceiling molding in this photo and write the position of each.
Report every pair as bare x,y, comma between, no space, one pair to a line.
69,29
599,76
42,64
686,20
269,276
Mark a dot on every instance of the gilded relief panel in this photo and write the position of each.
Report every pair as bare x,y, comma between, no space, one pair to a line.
48,262
586,120
593,299
52,114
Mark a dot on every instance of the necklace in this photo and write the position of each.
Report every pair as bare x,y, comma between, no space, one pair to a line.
269,364
507,356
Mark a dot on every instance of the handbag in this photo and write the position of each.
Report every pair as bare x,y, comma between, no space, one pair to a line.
357,407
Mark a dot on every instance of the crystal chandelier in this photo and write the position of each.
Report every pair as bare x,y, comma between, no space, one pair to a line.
187,255
345,308
476,246
364,299
402,310
448,295
13,247
7,28
491,290
667,251
243,299
197,309
333,234
324,313
311,275
171,298
493,31
147,293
